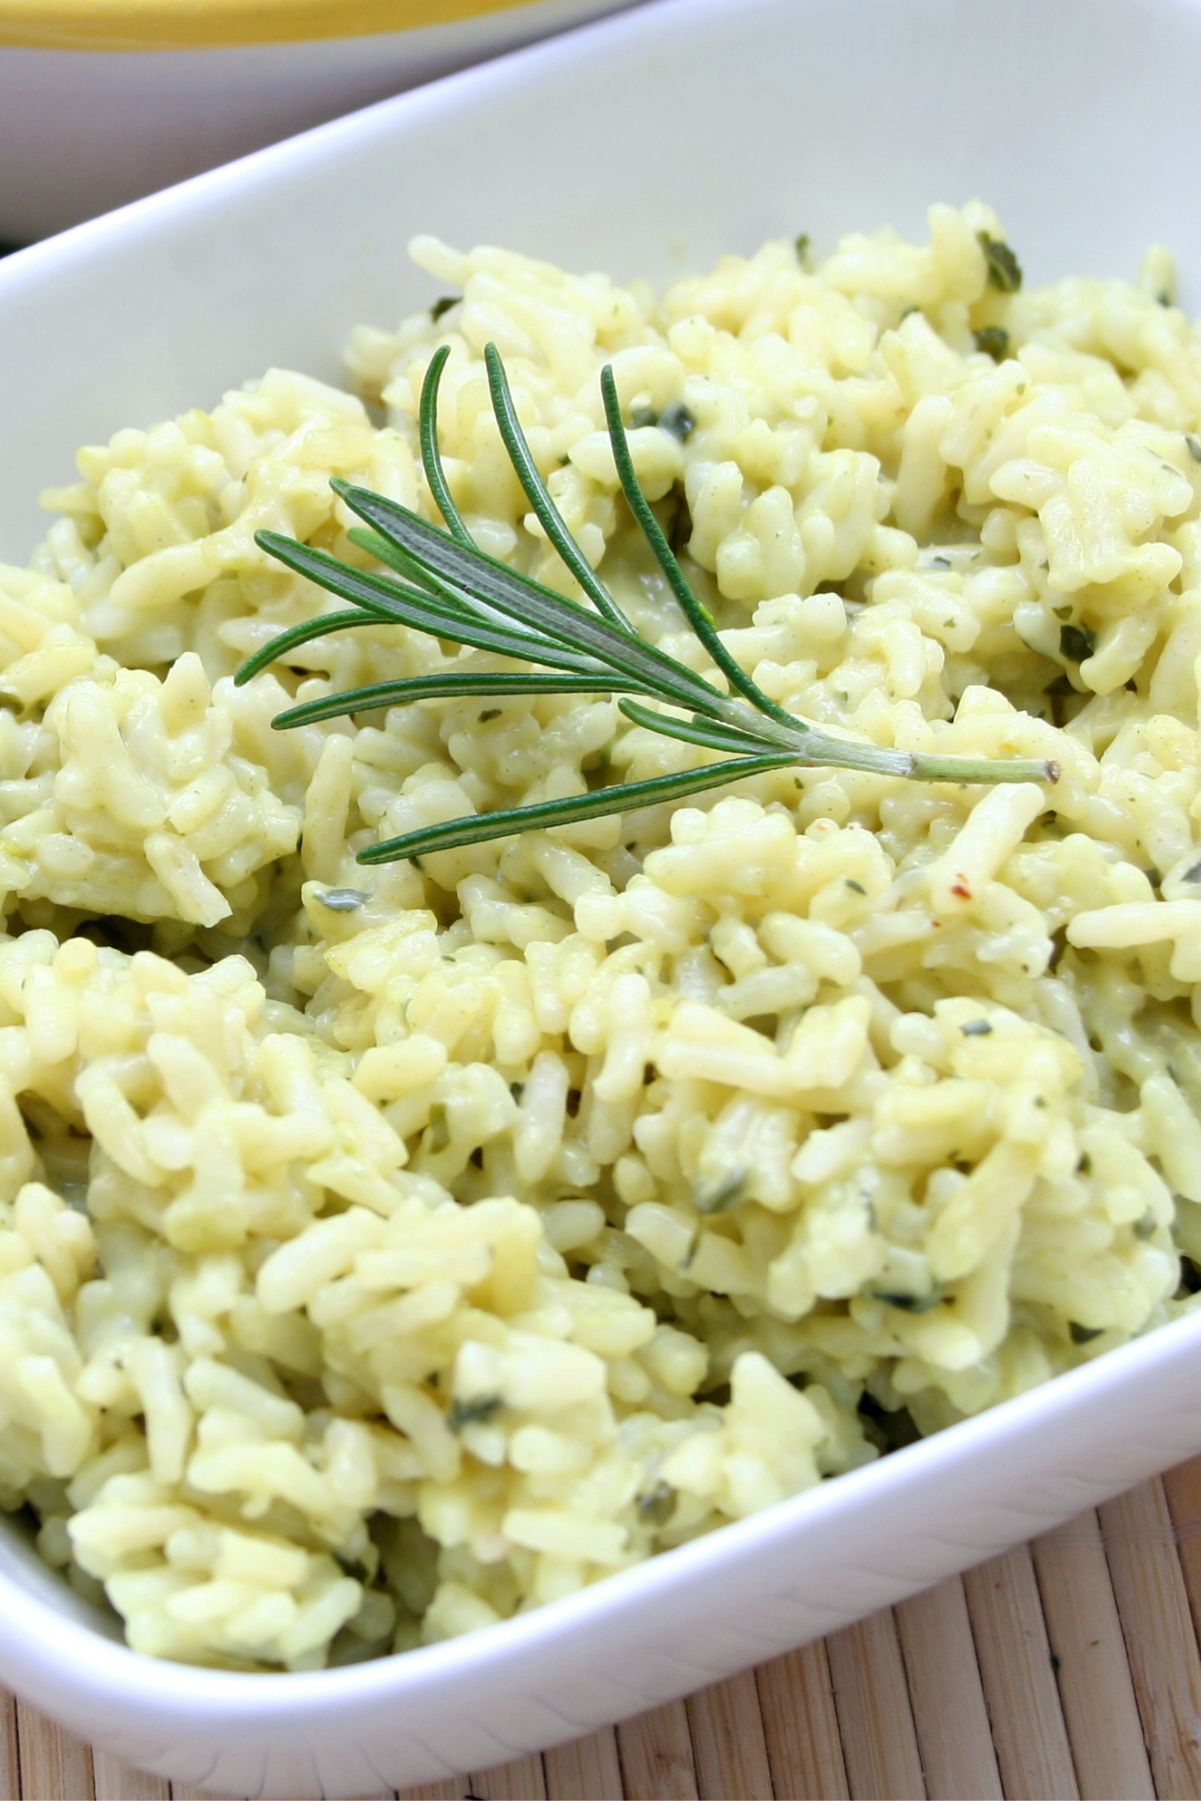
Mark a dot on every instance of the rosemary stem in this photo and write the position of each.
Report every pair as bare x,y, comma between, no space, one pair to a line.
810,746
451,589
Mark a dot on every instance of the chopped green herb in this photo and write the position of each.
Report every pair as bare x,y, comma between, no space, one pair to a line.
473,1412
802,244
939,562
1076,642
976,1028
439,1127
854,886
1083,1334
909,1303
993,340
443,305
1193,445
344,900
1163,297
678,421
1084,1165
517,1089
1004,270
656,1505
715,1197
888,1429
489,714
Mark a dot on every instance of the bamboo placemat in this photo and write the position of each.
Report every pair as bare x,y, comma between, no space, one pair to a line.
1067,1668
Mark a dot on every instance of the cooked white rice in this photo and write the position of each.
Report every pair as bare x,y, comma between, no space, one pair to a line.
384,1254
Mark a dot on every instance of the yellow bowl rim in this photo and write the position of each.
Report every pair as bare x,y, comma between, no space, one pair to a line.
130,25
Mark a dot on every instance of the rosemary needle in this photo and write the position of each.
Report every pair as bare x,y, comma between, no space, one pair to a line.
435,579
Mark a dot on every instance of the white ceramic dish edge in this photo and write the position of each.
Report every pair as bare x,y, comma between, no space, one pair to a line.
217,266
141,119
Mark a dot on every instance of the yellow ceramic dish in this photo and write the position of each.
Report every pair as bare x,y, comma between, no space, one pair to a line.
220,24
104,100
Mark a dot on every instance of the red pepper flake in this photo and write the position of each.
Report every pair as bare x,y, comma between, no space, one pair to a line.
959,886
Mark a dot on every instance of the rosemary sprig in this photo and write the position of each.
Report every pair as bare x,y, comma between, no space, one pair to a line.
437,580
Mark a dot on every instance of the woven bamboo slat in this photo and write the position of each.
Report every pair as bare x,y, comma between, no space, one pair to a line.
1069,1668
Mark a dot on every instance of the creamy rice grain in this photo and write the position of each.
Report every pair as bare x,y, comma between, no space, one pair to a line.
385,1252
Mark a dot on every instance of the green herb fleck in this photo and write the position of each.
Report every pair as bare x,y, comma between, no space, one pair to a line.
678,421
993,340
656,1505
489,714
909,1303
1083,1334
888,1429
1193,445
439,1127
1004,270
1084,1164
1076,642
344,900
473,1412
715,1197
939,562
1164,298
854,886
443,305
802,244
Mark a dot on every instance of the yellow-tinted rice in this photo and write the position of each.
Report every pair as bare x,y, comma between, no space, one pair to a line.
384,1253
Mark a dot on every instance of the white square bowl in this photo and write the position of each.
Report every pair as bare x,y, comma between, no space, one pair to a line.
657,138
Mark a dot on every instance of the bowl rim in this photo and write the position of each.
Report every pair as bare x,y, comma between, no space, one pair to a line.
165,25
113,1667
46,1636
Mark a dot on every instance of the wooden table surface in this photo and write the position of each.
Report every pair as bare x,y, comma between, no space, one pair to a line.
1068,1668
